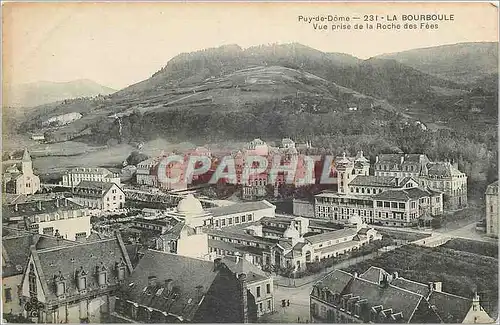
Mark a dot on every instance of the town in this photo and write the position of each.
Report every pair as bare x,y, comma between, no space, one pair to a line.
100,246
250,163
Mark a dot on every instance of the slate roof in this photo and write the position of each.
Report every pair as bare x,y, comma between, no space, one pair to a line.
450,308
373,274
492,188
241,265
239,208
90,171
335,281
390,158
93,189
16,249
192,278
404,195
400,295
67,260
442,169
32,208
381,181
332,235
398,299
420,288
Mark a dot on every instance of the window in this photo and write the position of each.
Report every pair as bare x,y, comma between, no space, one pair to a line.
237,220
269,306
386,204
243,219
260,307
379,204
268,288
394,205
223,222
258,291
32,281
8,294
230,221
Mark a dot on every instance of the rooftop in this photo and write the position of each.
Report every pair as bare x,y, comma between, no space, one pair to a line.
240,208
38,207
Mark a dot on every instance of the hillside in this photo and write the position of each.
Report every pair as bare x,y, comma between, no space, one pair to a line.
44,92
463,62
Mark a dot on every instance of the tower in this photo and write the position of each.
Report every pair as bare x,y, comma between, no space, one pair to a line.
26,163
361,165
344,170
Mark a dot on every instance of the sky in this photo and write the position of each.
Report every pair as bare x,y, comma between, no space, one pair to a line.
118,44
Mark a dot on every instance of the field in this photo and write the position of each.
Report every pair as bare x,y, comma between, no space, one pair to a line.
461,272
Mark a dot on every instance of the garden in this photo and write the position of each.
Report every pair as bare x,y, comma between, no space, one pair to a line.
461,271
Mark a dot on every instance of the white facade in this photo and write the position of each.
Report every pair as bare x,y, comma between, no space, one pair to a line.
94,174
108,198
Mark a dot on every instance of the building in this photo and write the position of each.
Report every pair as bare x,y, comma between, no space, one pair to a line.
76,283
400,165
290,242
19,177
146,173
439,176
189,238
492,209
303,208
96,174
167,288
105,196
379,297
389,200
15,254
259,283
445,177
59,216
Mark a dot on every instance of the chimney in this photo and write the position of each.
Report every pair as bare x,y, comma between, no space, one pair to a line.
57,203
169,285
217,264
355,274
16,208
402,159
65,202
476,306
395,275
376,159
151,280
242,278
39,205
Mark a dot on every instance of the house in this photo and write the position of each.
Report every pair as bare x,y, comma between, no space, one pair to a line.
19,178
38,137
95,174
445,177
492,209
15,254
379,297
168,288
76,283
59,216
106,196
259,283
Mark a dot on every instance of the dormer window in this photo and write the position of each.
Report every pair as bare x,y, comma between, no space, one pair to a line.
102,275
32,281
60,283
81,279
120,270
